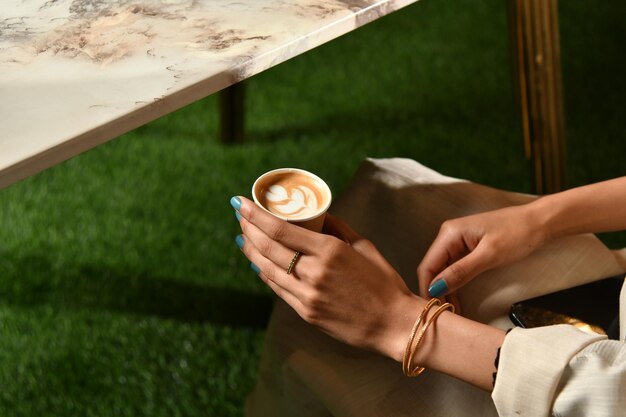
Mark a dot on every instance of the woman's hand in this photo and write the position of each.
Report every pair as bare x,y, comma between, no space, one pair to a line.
340,283
467,246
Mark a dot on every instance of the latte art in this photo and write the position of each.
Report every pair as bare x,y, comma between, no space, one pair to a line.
297,201
292,194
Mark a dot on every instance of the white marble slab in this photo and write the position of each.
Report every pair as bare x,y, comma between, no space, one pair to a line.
76,73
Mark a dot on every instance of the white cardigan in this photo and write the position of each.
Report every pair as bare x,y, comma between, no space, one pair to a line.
563,371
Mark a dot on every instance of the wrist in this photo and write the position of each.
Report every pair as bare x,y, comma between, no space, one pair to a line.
401,320
456,346
539,217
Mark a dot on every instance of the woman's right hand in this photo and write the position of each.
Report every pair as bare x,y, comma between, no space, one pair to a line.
467,246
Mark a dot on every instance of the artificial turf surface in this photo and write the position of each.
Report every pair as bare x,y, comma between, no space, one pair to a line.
122,292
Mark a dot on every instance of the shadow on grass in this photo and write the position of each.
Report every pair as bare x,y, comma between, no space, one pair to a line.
341,124
410,118
96,288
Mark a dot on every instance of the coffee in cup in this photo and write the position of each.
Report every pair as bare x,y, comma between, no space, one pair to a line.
294,195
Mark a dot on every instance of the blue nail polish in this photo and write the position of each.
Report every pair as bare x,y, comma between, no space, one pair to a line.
238,215
239,241
438,288
255,268
236,203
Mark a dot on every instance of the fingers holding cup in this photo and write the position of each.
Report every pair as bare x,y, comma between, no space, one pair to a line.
271,249
281,228
269,271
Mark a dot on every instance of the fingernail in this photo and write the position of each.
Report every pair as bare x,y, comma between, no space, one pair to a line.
238,215
236,203
438,288
239,241
255,268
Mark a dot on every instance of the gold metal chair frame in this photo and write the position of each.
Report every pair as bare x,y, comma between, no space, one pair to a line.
534,29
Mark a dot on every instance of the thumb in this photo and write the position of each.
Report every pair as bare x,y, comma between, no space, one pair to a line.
341,230
336,227
458,274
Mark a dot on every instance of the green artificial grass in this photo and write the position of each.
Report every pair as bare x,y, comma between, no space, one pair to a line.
122,292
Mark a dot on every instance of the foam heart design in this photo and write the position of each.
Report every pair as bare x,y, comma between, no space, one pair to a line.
297,202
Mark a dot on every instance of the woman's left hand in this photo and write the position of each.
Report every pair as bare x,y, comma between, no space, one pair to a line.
340,283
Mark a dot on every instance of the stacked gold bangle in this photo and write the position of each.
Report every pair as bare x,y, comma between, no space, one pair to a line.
415,339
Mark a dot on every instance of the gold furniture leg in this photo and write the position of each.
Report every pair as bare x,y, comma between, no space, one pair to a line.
534,28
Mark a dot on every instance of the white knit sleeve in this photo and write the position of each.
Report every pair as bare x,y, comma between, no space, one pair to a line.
560,371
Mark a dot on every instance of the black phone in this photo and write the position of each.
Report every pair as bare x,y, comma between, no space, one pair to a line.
592,307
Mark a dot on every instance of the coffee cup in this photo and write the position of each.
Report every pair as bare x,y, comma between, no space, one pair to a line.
293,195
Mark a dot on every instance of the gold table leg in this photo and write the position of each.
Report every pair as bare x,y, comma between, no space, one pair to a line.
535,36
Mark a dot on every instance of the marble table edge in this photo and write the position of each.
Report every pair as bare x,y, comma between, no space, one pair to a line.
109,130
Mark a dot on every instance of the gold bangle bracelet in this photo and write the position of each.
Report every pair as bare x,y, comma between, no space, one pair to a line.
407,353
419,369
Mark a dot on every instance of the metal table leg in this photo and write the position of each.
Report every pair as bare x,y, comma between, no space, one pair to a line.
232,115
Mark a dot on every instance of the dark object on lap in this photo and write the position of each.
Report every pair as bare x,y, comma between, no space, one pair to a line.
592,307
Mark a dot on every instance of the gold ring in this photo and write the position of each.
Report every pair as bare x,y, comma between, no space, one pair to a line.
293,262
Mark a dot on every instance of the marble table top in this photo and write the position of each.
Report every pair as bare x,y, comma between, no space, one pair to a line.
76,73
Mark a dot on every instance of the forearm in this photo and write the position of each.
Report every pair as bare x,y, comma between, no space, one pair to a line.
456,346
593,208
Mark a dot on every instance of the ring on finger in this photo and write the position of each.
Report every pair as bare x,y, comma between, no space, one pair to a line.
293,262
